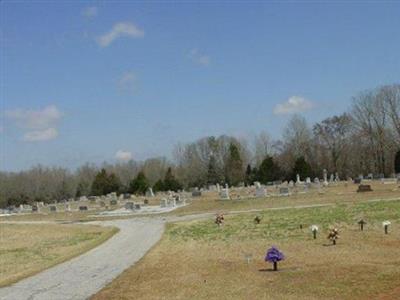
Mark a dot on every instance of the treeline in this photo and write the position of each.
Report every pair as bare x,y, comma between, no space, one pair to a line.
363,140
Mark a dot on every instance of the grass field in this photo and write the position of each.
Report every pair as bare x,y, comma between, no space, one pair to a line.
26,249
198,260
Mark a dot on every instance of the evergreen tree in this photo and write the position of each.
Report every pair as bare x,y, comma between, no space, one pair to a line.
104,184
213,176
302,168
170,182
234,166
159,186
397,163
248,179
114,184
139,185
268,170
99,182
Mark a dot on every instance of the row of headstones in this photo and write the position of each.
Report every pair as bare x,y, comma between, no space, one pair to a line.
172,201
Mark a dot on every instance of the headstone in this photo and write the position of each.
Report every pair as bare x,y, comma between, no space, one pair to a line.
291,183
130,205
218,188
35,208
308,180
137,206
224,194
172,202
260,191
298,179
196,193
150,193
67,207
53,208
325,174
284,191
364,188
83,208
357,180
163,202
332,178
337,179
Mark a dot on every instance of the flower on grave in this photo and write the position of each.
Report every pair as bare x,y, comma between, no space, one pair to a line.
219,220
274,255
314,230
386,223
333,235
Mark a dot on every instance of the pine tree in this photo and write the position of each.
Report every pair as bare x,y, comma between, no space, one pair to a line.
104,184
234,166
213,176
302,168
397,163
159,186
113,184
268,170
139,185
99,182
248,176
170,182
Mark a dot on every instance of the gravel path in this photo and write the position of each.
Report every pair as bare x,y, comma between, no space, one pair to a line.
83,276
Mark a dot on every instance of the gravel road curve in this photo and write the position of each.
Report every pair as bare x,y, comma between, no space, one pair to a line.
83,276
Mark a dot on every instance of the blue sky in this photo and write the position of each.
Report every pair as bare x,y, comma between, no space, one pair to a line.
95,81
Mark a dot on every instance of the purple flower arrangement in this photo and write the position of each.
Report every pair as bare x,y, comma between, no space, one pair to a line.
274,256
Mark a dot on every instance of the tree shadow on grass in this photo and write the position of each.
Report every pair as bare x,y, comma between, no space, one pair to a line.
268,270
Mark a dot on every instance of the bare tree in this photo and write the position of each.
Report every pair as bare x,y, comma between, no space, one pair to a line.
333,135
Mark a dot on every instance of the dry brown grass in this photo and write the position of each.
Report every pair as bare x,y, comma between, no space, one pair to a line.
26,249
198,260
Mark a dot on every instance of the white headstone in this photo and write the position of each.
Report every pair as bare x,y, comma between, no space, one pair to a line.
150,193
224,194
325,173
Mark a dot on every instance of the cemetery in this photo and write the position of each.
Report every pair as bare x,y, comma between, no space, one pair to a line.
200,150
234,237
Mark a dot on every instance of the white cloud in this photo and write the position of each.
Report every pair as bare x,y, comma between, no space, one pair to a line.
122,29
40,135
35,119
123,155
128,82
39,125
199,58
294,104
90,12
